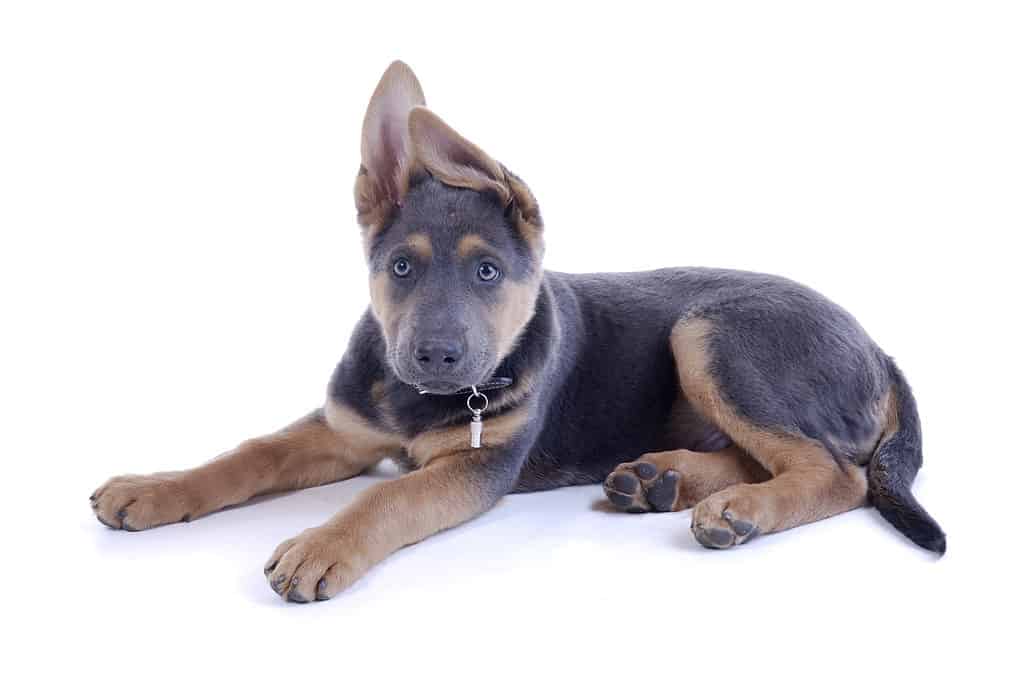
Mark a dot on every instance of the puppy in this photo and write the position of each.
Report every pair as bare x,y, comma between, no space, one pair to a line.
748,398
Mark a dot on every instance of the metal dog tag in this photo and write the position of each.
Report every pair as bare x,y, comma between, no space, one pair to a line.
476,431
476,424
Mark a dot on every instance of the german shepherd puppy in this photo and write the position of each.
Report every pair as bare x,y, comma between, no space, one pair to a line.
751,399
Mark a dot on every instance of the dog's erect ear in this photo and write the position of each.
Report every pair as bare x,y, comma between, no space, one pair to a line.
387,157
456,161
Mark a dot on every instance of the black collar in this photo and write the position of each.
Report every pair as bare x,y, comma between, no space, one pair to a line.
489,385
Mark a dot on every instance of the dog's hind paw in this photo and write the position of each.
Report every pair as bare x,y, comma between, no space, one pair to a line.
639,487
727,518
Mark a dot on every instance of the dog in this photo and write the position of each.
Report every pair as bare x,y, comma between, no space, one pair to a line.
747,397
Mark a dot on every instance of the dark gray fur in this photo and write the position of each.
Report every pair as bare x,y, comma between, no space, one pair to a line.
784,356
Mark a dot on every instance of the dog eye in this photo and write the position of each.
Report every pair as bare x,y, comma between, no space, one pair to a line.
487,272
402,267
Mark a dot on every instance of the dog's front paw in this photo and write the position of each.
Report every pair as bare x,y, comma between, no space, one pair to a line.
316,565
134,502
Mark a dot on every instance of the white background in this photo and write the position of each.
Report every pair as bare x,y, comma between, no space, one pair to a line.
181,269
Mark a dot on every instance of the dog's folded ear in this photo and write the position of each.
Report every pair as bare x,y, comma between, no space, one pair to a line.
456,161
451,158
387,158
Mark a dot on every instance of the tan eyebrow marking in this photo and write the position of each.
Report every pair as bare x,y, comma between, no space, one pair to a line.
420,244
472,243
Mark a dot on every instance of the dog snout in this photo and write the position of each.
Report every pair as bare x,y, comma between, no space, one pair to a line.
438,355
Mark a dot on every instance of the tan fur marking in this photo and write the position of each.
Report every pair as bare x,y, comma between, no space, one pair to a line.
890,404
387,313
472,244
420,244
444,442
808,485
514,310
308,453
373,210
363,443
524,383
525,213
378,391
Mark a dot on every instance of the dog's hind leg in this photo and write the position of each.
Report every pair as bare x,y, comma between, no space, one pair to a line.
809,483
679,479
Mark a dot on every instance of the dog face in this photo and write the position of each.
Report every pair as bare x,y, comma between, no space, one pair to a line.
453,240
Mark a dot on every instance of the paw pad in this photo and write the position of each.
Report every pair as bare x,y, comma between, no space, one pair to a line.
713,537
623,482
638,488
645,470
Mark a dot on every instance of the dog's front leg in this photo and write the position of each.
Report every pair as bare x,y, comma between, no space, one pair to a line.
323,447
447,491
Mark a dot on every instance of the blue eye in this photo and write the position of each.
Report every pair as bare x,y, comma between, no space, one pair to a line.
402,267
488,272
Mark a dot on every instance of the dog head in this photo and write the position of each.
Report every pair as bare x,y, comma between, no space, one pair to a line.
453,240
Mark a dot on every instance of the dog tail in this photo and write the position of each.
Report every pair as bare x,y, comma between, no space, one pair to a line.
893,466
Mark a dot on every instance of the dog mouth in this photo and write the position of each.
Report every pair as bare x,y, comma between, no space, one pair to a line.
435,386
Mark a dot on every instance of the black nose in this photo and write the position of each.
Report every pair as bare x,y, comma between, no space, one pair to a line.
438,355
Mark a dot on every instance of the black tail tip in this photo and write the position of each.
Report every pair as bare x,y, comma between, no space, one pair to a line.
912,521
935,544
931,539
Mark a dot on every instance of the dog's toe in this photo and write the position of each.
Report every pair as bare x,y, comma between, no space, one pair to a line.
713,537
624,491
662,492
623,482
645,470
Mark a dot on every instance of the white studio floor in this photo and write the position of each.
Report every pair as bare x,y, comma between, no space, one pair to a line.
550,588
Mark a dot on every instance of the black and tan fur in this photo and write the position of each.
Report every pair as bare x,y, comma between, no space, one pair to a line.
748,398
